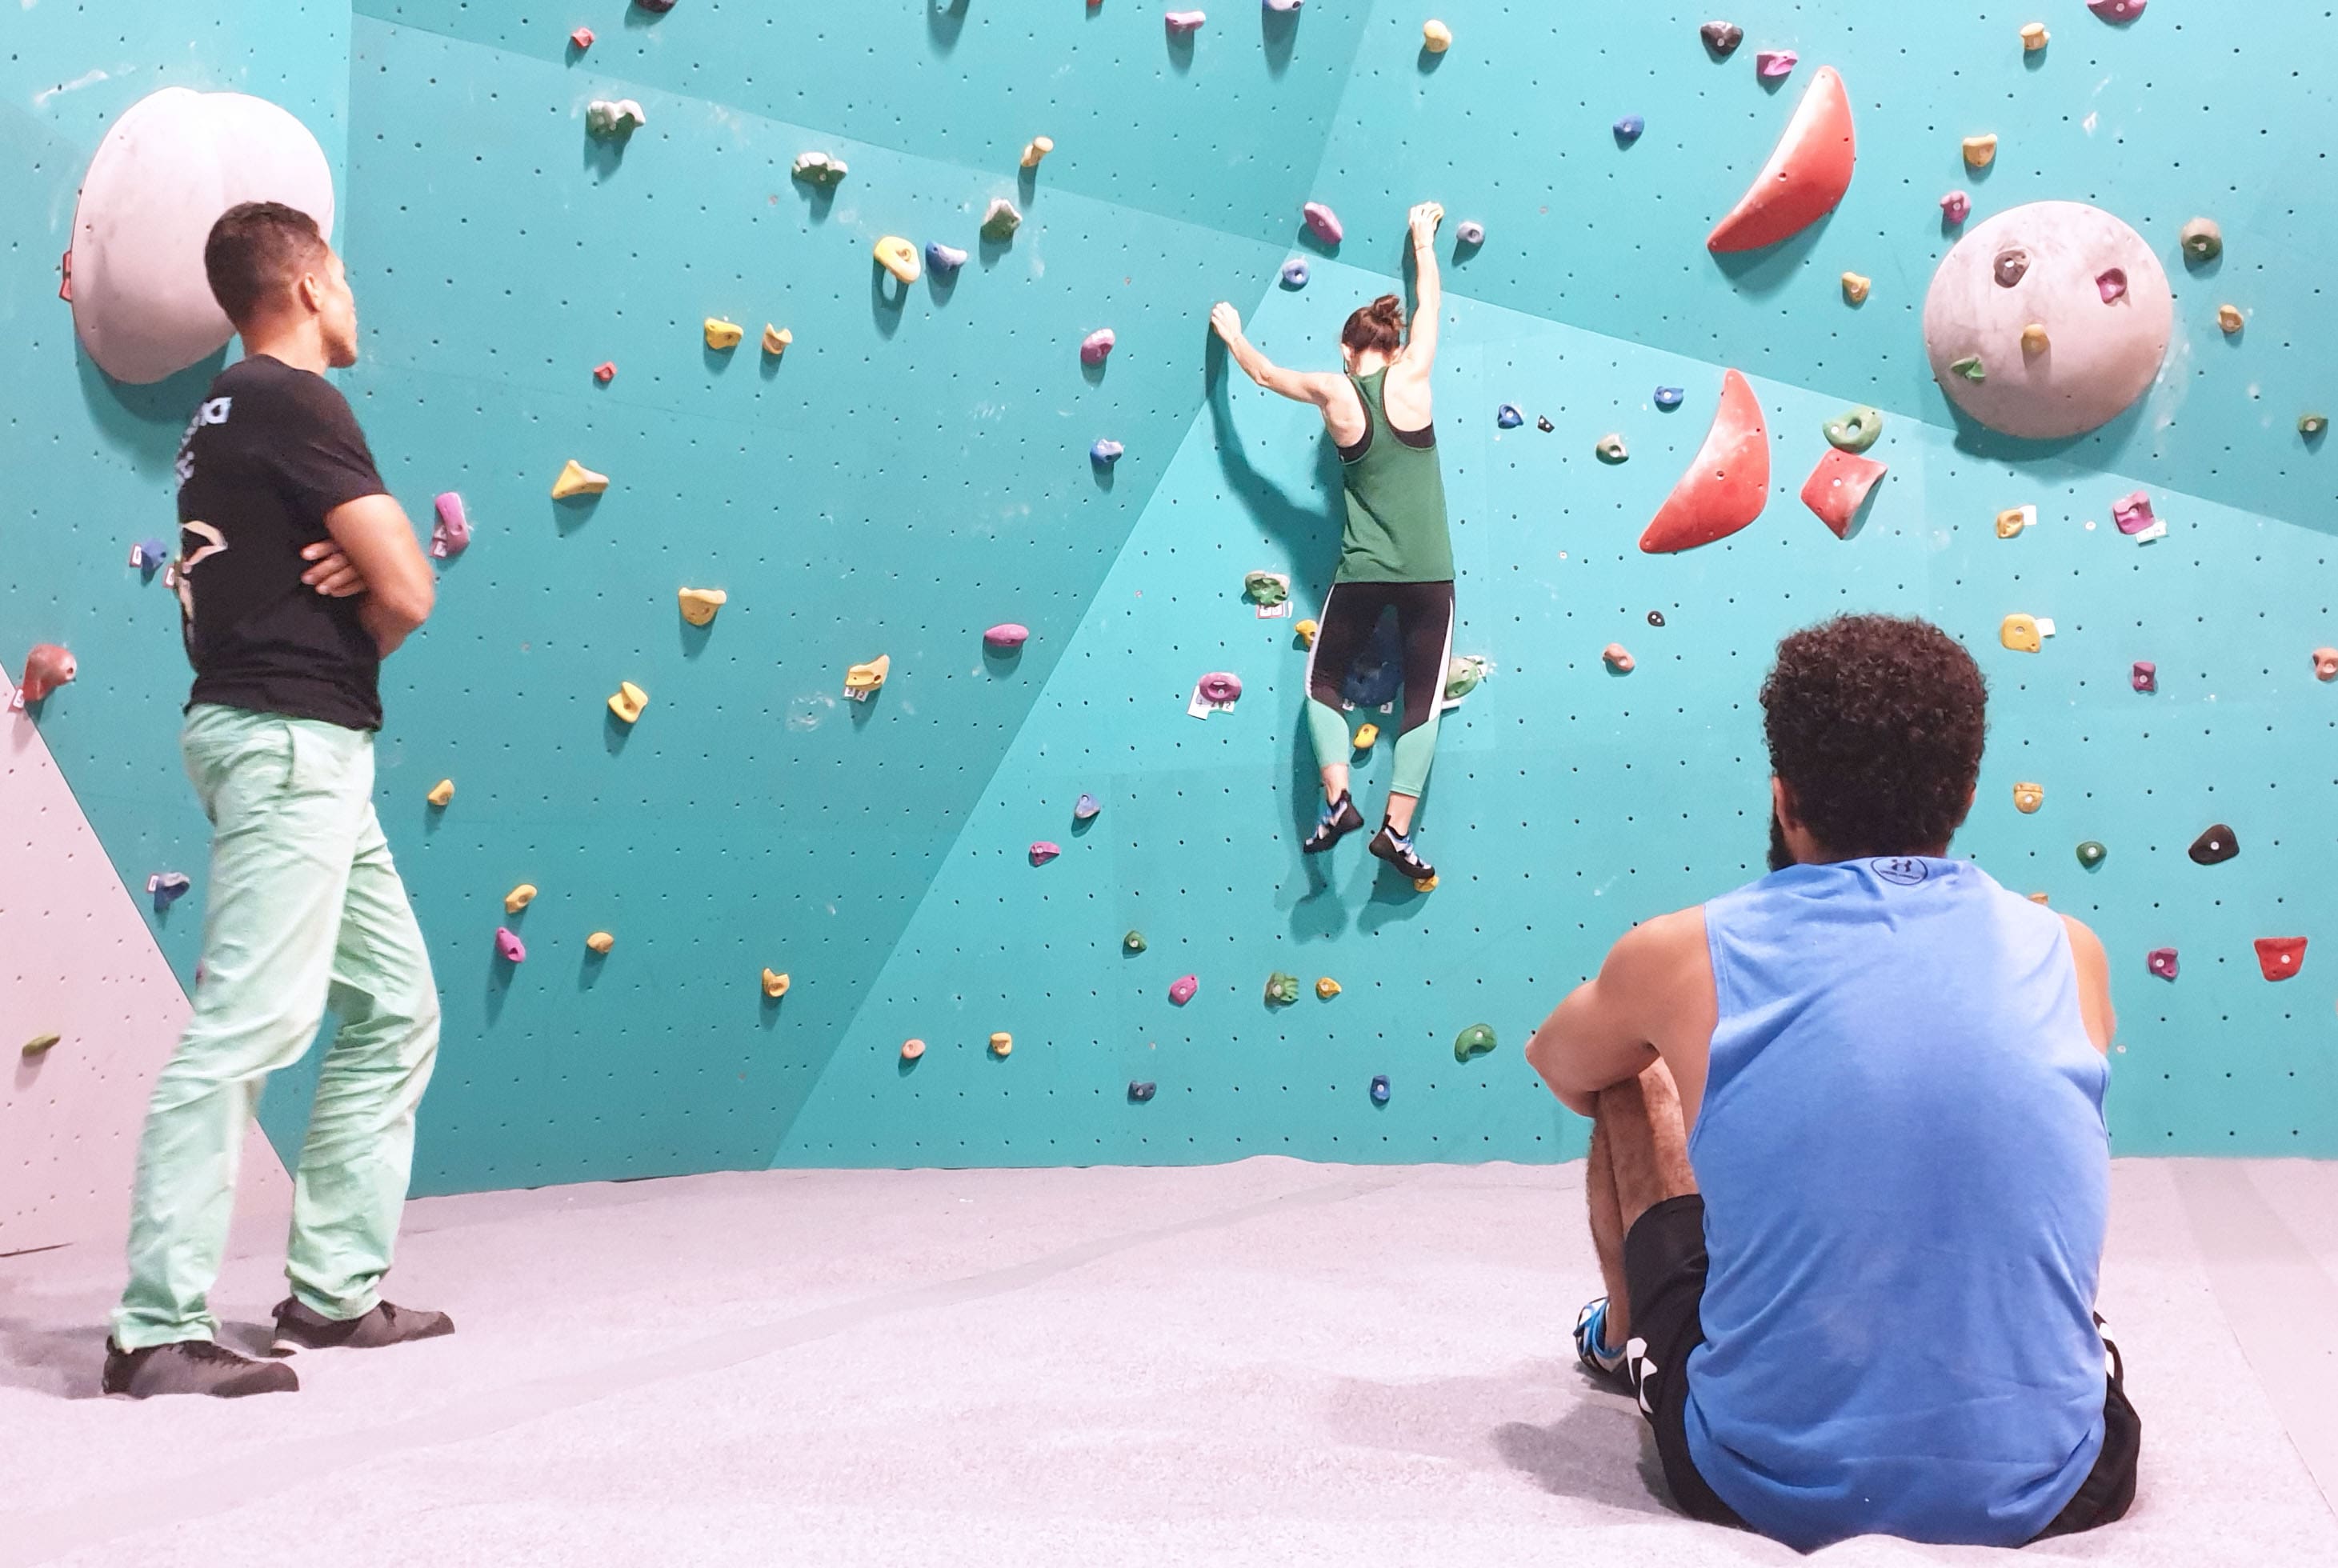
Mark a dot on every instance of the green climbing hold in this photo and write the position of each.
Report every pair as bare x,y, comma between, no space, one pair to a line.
1474,1040
1266,587
2091,854
1856,431
1970,369
1461,676
1134,940
1282,989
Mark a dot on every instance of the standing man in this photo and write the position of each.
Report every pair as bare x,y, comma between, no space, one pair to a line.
296,575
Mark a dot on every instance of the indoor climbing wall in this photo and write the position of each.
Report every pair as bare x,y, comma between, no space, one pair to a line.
915,466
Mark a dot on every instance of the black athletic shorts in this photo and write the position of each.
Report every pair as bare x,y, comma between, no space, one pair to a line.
1665,1269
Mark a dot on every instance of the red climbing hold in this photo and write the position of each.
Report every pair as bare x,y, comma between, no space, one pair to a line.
606,371
1805,177
1837,488
2281,956
1728,485
46,668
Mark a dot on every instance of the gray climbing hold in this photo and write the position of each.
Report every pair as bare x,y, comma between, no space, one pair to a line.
1470,232
1294,273
1723,37
168,887
1104,454
1141,1091
1085,808
1611,449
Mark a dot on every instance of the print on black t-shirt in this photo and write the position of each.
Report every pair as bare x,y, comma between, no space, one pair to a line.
271,450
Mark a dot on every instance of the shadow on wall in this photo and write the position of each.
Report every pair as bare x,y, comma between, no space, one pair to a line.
145,422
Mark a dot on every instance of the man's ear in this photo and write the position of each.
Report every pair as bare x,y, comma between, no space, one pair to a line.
308,292
1782,801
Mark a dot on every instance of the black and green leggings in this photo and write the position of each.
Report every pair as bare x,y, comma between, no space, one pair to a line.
1424,622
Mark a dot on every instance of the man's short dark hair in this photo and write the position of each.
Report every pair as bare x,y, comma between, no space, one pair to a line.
256,252
1875,724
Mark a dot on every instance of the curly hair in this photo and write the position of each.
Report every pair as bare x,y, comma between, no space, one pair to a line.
1875,725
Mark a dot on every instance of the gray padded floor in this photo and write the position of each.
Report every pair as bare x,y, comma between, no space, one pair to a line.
1264,1363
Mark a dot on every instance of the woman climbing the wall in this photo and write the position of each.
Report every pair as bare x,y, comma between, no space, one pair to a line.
1395,552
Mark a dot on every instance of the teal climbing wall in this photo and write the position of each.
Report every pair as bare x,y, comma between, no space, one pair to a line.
915,469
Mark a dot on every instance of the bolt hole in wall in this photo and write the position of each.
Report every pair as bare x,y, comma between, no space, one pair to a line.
899,452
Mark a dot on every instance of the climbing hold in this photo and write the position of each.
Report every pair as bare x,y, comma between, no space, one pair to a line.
40,1044
1266,588
1038,147
699,604
1436,37
1723,37
519,897
1085,807
1610,448
1629,129
1366,736
2117,10
1855,431
1305,632
2312,425
1294,273
2028,797
1140,1091
1134,940
2145,676
1106,453
1669,397
944,259
441,793
604,117
1044,851
1001,1043
150,556
861,681
1856,286
628,703
1323,221
1097,345
2091,854
2034,37
508,946
2325,664
1956,205
1220,687
1182,989
1981,151
1184,22
1618,657
2022,634
1805,177
2014,519
1008,634
1000,219
2034,340
575,479
1970,368
1327,988
2133,513
582,38
2230,318
1271,4
912,1049
1282,989
606,371
818,168
46,668
1462,676
1507,417
1773,64
600,942
2214,847
1470,232
1838,487
1655,617
452,529
1727,485
775,984
1424,884
896,256
1474,1040
1543,423
2203,241
2281,957
168,887
2161,961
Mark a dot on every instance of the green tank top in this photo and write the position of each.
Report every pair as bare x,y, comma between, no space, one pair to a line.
1396,529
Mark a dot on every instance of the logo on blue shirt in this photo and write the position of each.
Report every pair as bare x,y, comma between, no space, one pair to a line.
1902,871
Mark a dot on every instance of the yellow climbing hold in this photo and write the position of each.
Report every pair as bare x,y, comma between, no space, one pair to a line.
861,680
1981,151
2229,317
600,941
1855,287
721,334
629,701
896,256
912,1049
519,897
1306,631
2040,898
775,984
2034,340
441,792
1327,987
2012,521
1366,737
2035,37
2021,634
2028,797
699,604
1425,885
575,479
1436,37
1038,148
1001,1043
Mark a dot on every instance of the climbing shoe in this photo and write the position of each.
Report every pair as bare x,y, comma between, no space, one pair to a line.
298,1328
1591,1343
191,1367
1340,819
1397,852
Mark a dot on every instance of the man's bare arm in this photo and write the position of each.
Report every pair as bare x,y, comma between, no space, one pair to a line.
400,589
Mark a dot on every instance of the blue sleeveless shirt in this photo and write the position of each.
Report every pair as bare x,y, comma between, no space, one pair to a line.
1906,1179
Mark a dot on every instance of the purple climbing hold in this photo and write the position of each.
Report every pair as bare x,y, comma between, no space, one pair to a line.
1294,273
1097,345
1044,851
1085,807
452,531
1323,221
168,887
944,259
508,945
1723,37
1775,63
1220,687
1182,989
150,556
2145,675
1508,417
1669,397
2117,10
1629,129
2132,513
2161,961
1104,453
1470,232
1956,207
1379,1089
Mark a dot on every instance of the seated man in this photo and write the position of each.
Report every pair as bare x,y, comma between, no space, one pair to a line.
1849,1174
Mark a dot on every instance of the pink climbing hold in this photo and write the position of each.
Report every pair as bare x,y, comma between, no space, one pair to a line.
2281,957
1837,488
1775,63
2161,961
1096,346
508,945
1044,851
1323,222
582,38
1956,207
1727,486
1805,177
1220,687
606,371
2118,10
2133,513
2145,676
2112,285
1184,22
1182,989
46,668
452,532
1008,634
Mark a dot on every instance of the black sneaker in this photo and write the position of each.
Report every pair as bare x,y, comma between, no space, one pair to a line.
191,1367
298,1328
1397,852
1340,819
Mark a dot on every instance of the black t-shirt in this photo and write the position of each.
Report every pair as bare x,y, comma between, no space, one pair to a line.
272,450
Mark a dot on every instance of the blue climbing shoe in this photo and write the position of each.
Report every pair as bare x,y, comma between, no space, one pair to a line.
1397,852
1590,1344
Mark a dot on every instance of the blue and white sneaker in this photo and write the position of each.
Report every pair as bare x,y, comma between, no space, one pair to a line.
1591,1343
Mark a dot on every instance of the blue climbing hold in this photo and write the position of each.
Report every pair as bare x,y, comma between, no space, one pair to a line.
1141,1091
944,259
1380,1089
1669,397
1508,417
1294,273
149,555
1629,129
1104,453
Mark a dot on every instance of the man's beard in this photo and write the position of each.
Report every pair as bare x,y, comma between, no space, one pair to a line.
1780,856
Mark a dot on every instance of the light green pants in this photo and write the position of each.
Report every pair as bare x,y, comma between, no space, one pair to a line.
302,908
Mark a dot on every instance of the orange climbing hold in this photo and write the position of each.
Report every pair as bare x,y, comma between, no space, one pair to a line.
2325,664
2281,957
1805,177
46,668
1728,485
1837,488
